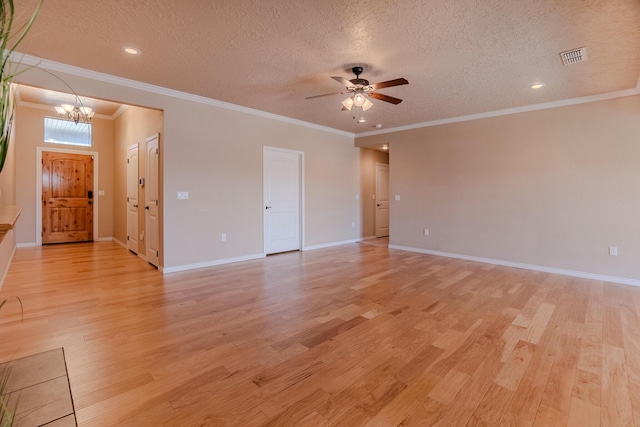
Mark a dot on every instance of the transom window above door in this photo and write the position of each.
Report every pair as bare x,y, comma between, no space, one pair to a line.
67,132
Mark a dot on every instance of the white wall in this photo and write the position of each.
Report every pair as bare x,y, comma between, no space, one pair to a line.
552,188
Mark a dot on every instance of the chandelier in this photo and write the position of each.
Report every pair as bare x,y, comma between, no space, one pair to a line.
75,113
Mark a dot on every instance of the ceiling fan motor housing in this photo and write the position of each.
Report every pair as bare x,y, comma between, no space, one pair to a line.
358,81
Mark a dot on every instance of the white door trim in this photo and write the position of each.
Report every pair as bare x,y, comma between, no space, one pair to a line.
96,191
302,191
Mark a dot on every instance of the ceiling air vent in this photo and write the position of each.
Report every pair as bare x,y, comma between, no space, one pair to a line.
574,55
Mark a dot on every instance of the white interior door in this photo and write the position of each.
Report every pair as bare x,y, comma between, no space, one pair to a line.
282,196
152,194
132,198
382,200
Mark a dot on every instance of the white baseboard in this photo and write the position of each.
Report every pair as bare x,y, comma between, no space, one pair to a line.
124,245
167,270
26,245
572,273
329,245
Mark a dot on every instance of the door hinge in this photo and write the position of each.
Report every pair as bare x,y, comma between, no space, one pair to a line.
157,151
127,237
127,161
127,199
157,253
156,203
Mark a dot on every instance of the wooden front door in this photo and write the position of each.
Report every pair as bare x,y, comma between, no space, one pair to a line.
67,197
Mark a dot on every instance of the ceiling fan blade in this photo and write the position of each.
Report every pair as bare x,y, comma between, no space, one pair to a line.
389,83
385,98
326,94
344,81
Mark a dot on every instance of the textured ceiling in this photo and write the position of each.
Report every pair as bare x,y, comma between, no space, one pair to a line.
460,57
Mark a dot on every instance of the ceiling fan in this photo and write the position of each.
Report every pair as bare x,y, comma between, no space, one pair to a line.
361,89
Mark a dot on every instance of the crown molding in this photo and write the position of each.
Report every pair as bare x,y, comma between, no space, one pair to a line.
508,111
32,61
120,111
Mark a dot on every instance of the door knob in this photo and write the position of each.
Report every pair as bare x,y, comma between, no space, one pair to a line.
378,205
268,207
135,206
146,207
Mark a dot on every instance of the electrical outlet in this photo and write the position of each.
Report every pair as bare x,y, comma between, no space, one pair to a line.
613,251
223,237
426,231
397,198
357,196
183,195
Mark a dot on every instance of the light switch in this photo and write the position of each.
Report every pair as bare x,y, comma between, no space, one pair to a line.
397,197
183,195
100,192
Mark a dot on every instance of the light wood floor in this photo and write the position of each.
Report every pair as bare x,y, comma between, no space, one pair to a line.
352,335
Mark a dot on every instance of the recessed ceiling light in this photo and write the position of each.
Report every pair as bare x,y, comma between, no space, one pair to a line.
379,125
361,120
385,147
131,50
537,85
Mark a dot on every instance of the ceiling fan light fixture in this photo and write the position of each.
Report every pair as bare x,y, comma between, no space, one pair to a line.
366,105
359,99
348,103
